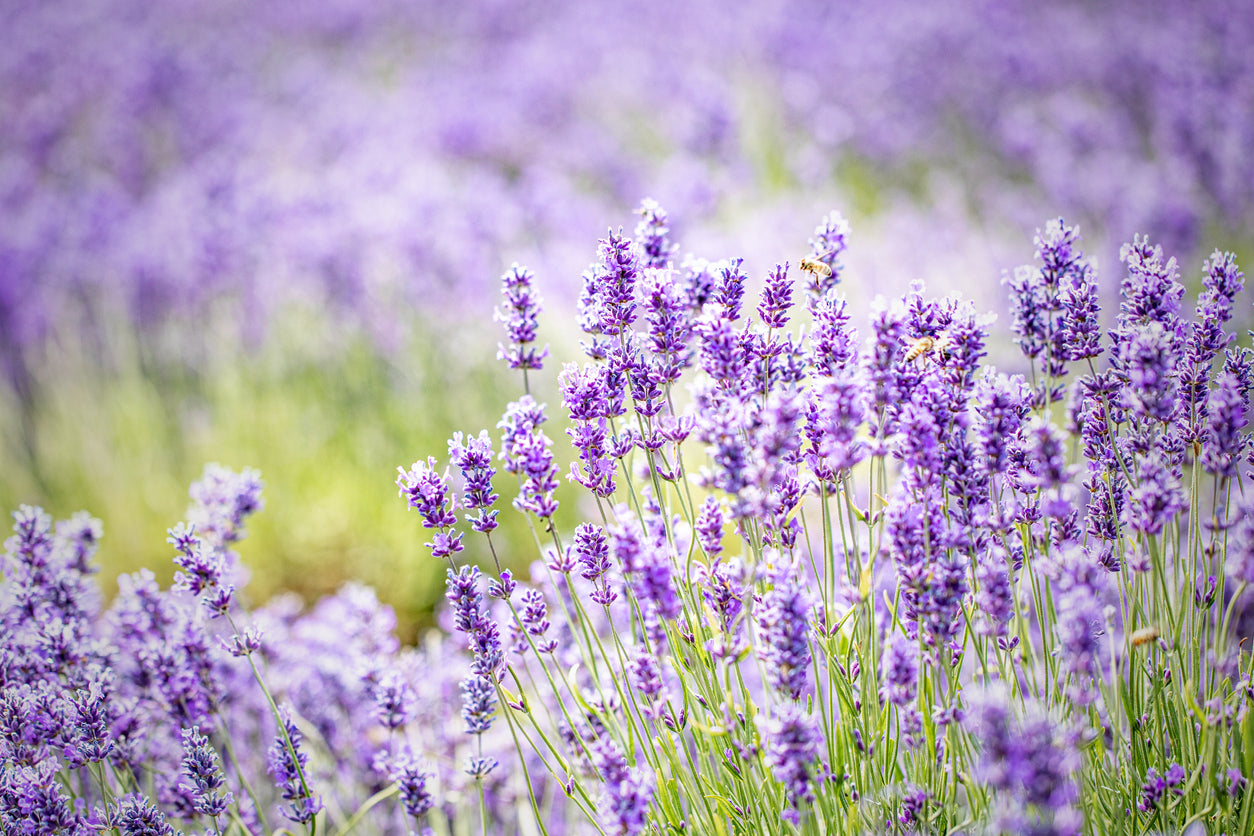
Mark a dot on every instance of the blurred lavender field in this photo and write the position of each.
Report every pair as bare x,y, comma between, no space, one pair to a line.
271,234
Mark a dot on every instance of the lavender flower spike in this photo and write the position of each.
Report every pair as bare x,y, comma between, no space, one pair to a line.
427,491
202,768
286,764
793,739
518,311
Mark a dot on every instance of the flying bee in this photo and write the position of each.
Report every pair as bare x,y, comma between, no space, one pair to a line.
919,347
816,268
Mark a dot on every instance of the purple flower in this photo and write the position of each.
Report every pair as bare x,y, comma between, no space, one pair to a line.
783,630
31,802
518,311
583,394
592,551
722,352
535,620
1002,404
473,457
411,779
652,235
427,491
646,678
221,501
1080,582
135,815
81,537
729,293
725,592
534,462
1146,355
1156,786
776,298
835,413
393,701
647,557
202,768
670,324
1156,497
470,616
709,527
92,741
899,671
478,703
827,244
833,344
793,739
522,418
1225,440
502,587
286,763
627,794
1029,759
994,599
616,276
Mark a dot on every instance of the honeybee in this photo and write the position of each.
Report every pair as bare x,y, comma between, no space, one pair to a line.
942,345
919,347
816,267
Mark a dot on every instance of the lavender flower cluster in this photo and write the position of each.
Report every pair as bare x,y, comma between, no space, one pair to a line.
822,584
834,584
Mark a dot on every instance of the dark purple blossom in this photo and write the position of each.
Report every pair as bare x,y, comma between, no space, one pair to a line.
427,491
92,741
615,274
729,292
222,500
478,703
776,298
203,769
518,311
135,815
411,778
470,616
1147,357
1156,497
725,592
670,324
534,617
286,762
522,418
1156,786
31,802
899,671
473,457
833,344
646,679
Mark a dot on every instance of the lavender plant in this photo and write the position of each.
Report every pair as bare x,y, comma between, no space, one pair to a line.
821,584
835,585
